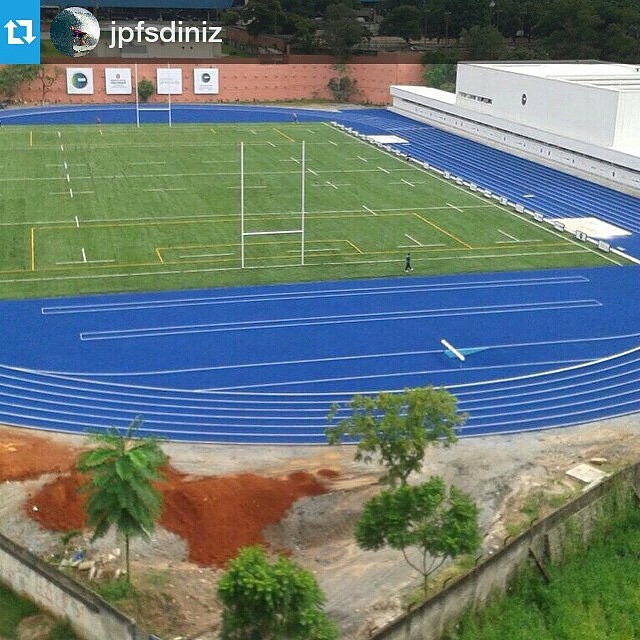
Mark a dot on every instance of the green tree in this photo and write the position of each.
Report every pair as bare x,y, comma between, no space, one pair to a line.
13,76
439,522
230,18
264,16
483,43
441,76
397,428
265,601
404,21
341,31
120,492
145,89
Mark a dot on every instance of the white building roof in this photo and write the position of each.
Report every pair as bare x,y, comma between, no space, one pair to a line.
607,75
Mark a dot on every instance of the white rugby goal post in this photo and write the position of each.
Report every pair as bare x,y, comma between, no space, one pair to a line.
151,108
299,231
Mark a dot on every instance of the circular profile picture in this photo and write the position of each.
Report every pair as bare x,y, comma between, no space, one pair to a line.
75,32
206,78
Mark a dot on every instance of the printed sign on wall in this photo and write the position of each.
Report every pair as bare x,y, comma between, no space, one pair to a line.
205,81
118,81
79,80
169,81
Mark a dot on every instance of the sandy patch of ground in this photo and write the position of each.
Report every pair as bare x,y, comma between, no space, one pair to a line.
363,589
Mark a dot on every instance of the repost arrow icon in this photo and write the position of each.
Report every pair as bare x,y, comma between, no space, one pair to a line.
11,37
28,25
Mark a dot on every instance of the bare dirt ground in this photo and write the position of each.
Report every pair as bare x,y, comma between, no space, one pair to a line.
364,589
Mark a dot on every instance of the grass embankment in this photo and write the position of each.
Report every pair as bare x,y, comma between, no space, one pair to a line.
14,608
594,596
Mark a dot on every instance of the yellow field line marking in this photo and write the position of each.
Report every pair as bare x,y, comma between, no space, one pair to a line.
33,249
212,130
284,134
446,233
354,246
159,256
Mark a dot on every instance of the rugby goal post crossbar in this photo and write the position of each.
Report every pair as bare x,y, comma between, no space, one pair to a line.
245,234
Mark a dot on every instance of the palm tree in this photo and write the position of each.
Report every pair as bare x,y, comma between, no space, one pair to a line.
121,471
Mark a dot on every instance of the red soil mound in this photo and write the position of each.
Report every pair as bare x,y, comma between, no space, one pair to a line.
215,515
25,456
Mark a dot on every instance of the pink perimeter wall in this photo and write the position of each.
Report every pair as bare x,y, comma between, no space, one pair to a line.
245,82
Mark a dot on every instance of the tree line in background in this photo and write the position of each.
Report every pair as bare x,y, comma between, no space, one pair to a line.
471,29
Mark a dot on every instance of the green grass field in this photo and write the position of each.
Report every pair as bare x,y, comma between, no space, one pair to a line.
115,208
594,596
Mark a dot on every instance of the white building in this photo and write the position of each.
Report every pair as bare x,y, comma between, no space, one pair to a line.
581,117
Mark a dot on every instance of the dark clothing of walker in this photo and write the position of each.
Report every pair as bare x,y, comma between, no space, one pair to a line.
407,263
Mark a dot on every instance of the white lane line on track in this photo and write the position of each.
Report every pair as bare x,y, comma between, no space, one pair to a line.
383,316
306,294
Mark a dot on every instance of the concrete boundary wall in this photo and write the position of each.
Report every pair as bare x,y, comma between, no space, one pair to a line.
547,538
600,170
90,616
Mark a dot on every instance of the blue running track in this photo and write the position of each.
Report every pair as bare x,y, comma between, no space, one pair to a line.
263,364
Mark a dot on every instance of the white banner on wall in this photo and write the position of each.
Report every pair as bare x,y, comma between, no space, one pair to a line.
205,81
169,81
118,81
79,80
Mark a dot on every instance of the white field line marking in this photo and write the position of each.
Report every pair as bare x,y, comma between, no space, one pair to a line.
168,189
66,167
315,173
271,143
373,213
100,131
332,185
84,255
335,144
306,294
361,158
463,257
255,133
61,147
206,255
259,186
201,174
453,206
83,192
85,262
338,249
219,161
419,244
188,271
149,162
68,178
59,134
382,316
77,222
71,192
508,236
407,182
295,159
424,246
584,248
